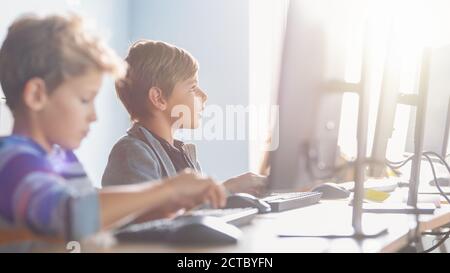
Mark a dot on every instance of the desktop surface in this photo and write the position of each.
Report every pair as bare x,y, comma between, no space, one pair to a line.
263,234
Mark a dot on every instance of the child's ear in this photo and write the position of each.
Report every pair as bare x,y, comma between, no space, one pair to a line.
156,97
35,94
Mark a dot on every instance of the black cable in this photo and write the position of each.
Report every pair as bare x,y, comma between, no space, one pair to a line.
398,162
395,165
394,162
417,229
435,177
446,236
398,165
440,158
435,233
426,155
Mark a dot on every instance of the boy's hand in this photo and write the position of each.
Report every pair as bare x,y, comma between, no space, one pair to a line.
249,183
189,189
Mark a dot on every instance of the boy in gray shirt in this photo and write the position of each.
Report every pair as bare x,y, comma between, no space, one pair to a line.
160,78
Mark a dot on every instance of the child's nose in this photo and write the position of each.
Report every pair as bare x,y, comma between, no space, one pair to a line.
203,95
93,116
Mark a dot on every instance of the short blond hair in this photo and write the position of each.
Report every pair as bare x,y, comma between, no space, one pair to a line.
152,64
53,48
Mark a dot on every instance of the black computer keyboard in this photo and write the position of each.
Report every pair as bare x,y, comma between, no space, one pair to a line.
291,200
207,225
156,230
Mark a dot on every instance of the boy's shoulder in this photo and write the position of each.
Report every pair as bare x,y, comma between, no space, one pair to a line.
18,150
22,152
129,146
19,159
130,141
141,141
15,144
135,138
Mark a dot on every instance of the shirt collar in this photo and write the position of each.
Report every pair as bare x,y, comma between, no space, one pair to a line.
176,143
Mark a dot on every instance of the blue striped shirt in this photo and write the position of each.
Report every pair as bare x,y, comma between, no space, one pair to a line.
48,193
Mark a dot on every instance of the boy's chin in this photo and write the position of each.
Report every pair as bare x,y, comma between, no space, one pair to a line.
71,146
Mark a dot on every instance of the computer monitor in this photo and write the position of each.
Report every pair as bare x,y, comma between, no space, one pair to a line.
387,106
308,122
312,81
437,116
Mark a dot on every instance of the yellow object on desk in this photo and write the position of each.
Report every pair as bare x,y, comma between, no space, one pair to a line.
375,196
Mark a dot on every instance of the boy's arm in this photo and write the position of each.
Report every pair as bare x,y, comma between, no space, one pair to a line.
44,203
125,203
122,204
34,197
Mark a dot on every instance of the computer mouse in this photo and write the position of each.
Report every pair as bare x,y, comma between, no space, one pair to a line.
204,230
331,191
245,200
442,181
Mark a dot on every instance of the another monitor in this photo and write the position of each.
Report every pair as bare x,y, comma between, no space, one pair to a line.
389,99
437,116
313,69
308,117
